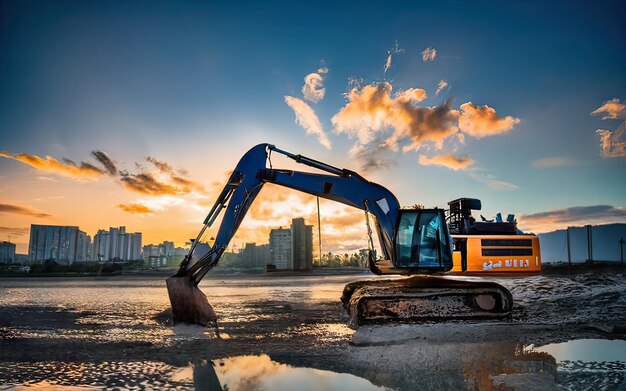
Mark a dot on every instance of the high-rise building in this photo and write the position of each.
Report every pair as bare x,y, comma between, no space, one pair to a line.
131,249
152,250
253,256
66,244
301,245
165,249
156,255
7,252
168,248
292,249
100,246
116,245
280,248
83,242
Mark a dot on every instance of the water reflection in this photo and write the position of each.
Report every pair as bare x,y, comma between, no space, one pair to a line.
250,373
597,364
424,365
586,350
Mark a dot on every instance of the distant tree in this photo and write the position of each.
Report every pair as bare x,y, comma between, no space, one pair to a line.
50,266
229,260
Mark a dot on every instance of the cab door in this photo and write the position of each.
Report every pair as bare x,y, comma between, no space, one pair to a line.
423,241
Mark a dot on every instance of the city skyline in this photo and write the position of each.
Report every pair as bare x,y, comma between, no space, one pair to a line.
71,244
136,113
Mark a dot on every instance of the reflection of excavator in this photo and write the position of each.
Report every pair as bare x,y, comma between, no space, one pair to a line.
413,241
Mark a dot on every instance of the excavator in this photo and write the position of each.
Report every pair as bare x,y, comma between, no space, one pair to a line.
415,242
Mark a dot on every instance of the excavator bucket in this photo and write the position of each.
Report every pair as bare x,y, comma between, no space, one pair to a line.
424,298
189,304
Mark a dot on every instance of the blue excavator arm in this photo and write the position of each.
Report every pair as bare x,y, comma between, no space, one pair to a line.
413,241
340,185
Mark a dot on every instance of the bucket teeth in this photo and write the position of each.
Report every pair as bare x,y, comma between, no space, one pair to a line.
423,298
189,304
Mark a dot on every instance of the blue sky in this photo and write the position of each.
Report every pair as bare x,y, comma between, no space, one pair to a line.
196,84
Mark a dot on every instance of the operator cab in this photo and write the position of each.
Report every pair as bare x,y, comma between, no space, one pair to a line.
422,244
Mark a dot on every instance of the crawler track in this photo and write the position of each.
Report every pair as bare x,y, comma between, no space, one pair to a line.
421,298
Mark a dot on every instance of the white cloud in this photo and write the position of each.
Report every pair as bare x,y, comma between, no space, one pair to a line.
492,181
388,62
441,86
554,162
307,119
613,144
313,89
429,54
394,50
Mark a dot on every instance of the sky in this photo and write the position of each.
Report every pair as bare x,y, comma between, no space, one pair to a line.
133,113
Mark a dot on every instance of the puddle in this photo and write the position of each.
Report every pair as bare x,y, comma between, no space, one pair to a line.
588,364
586,350
47,386
251,373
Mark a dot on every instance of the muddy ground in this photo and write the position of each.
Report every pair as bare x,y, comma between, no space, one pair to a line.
117,332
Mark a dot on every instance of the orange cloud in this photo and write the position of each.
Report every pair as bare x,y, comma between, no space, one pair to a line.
307,119
276,206
373,113
450,161
345,217
163,181
49,164
344,229
613,108
574,216
23,210
369,109
135,208
482,121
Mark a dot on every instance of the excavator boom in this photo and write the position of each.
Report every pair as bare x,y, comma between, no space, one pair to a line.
413,241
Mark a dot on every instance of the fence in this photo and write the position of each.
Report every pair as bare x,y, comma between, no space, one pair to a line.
601,243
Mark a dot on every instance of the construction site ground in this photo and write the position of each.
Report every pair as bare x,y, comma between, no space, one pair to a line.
116,332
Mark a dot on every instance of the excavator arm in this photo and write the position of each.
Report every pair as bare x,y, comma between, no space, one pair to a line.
413,241
247,179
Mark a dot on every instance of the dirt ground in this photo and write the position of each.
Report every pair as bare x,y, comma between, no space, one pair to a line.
47,338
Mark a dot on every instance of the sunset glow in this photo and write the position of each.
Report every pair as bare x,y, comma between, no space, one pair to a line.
133,114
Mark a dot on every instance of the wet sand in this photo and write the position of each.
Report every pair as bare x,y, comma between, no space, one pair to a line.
117,332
